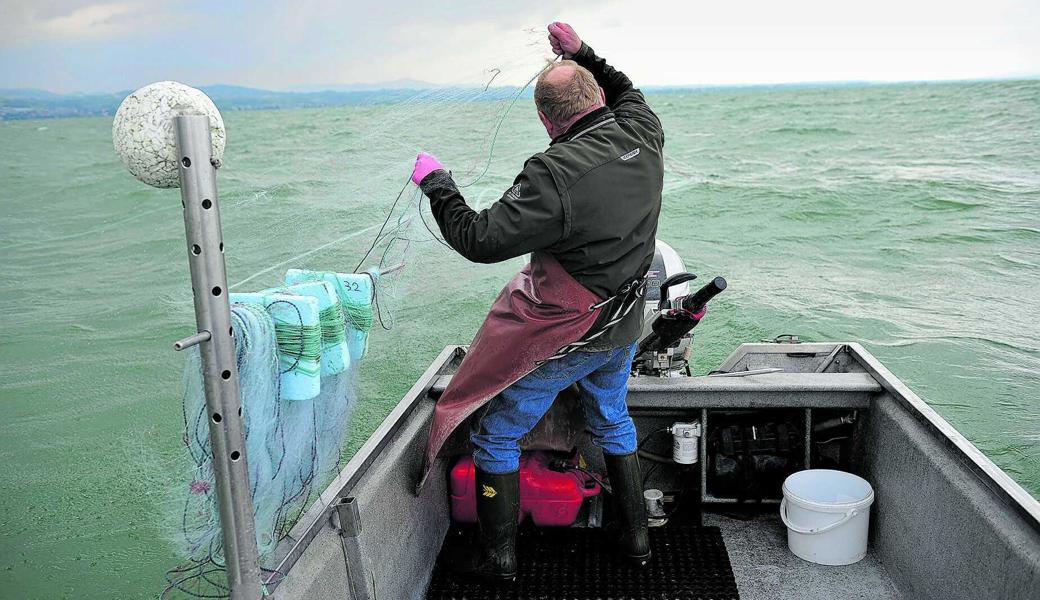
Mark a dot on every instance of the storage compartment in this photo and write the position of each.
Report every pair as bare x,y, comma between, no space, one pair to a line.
750,453
832,436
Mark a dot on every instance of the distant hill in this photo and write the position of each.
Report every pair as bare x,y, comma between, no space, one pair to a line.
41,104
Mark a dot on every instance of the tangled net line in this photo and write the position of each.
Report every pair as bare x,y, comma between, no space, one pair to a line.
292,446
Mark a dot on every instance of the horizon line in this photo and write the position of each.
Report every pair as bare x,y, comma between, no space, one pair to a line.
376,87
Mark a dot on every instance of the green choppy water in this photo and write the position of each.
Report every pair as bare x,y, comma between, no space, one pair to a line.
902,216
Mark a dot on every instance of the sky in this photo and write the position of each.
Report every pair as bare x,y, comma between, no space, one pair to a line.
84,46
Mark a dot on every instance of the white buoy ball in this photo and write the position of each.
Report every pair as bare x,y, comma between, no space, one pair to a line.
143,135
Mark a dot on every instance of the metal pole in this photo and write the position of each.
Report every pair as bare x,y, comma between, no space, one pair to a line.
349,525
220,373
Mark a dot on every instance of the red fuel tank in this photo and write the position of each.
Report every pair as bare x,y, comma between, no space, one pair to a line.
551,498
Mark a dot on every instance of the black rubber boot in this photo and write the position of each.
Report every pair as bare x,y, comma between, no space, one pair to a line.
493,558
626,485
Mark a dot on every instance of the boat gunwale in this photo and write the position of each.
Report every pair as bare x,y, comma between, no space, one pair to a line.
317,516
1010,491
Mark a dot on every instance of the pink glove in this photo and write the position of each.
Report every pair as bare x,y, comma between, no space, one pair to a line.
563,39
424,165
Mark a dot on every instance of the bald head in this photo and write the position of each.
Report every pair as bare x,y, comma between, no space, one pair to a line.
564,92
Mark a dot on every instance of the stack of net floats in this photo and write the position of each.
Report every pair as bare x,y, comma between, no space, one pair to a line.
298,348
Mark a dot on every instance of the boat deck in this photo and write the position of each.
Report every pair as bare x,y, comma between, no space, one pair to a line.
764,568
946,524
577,563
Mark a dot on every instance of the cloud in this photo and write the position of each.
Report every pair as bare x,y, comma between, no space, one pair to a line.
816,40
73,21
121,44
320,43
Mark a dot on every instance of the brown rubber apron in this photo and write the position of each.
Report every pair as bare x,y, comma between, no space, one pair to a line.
541,310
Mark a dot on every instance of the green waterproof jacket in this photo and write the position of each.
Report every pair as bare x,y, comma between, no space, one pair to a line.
591,199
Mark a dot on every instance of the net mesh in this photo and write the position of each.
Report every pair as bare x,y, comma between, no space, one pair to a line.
367,218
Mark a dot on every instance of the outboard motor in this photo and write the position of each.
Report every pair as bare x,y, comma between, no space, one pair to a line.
669,315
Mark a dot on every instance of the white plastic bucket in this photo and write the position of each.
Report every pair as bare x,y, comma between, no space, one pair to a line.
827,514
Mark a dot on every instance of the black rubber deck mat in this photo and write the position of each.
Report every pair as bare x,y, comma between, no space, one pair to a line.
689,563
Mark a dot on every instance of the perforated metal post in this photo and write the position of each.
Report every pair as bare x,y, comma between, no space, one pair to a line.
217,345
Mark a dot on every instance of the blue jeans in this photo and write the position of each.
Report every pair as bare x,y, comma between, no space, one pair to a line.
603,380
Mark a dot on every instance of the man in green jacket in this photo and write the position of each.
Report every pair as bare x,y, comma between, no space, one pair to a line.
591,202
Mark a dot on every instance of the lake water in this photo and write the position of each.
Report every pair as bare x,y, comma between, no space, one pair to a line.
906,217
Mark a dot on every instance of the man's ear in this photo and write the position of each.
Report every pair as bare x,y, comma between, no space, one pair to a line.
546,122
602,96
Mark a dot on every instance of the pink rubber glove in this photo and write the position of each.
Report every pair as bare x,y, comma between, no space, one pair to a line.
424,165
563,39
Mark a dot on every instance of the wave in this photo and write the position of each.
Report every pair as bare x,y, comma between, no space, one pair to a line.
810,131
945,204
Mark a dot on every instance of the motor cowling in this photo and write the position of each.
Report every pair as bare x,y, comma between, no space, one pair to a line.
667,263
670,313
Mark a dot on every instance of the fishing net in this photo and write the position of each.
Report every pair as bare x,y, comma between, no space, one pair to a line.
351,220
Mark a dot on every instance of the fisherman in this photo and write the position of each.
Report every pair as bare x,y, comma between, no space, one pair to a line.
587,210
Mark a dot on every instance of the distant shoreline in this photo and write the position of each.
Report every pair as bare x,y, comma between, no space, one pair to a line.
31,104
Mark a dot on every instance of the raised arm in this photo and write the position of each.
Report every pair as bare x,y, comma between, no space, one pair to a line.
621,96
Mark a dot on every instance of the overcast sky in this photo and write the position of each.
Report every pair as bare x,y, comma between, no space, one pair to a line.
78,45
